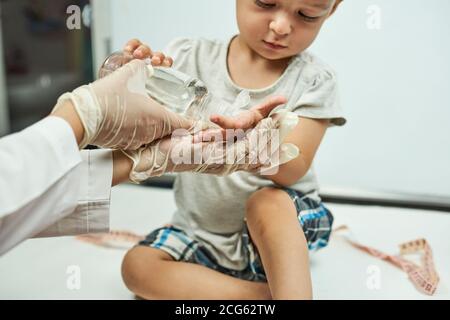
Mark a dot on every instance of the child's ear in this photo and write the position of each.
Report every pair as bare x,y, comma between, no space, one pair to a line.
335,5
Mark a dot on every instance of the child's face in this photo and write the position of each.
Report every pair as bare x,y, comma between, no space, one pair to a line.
278,29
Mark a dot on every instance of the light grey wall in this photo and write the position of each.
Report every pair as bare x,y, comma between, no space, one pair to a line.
101,32
157,22
395,89
394,83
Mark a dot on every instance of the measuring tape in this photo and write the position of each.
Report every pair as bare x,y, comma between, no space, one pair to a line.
113,239
424,277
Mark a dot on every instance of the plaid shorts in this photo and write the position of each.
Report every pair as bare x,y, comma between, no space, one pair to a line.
316,221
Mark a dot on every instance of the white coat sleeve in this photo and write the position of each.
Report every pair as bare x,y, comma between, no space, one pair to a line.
43,179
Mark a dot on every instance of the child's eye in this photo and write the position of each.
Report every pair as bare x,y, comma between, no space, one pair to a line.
307,18
264,5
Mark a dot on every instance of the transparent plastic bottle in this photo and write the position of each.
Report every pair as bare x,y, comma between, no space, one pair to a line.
178,91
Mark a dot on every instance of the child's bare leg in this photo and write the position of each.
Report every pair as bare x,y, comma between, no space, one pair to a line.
275,230
152,274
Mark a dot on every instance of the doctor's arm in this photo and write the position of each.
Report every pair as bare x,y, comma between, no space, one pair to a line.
49,188
121,163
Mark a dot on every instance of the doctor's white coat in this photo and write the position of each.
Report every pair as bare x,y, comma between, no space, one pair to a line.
48,187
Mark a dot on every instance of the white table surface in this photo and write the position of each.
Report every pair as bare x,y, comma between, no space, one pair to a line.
37,269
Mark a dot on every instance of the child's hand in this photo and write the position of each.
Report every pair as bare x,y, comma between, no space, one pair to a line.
142,51
249,118
261,150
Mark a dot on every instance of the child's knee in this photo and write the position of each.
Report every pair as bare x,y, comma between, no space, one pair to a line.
138,265
130,268
263,203
265,197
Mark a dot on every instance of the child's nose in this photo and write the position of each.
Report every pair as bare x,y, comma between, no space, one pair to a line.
280,25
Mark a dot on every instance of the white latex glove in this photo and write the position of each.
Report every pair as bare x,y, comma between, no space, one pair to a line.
117,113
260,150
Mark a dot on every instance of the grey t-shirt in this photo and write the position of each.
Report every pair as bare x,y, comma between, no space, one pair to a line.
211,209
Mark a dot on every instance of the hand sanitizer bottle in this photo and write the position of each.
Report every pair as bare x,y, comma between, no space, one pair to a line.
178,91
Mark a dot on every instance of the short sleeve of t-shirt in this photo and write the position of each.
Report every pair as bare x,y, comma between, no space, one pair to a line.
320,97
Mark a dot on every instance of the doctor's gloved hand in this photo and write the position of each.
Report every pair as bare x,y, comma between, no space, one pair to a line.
260,150
117,113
